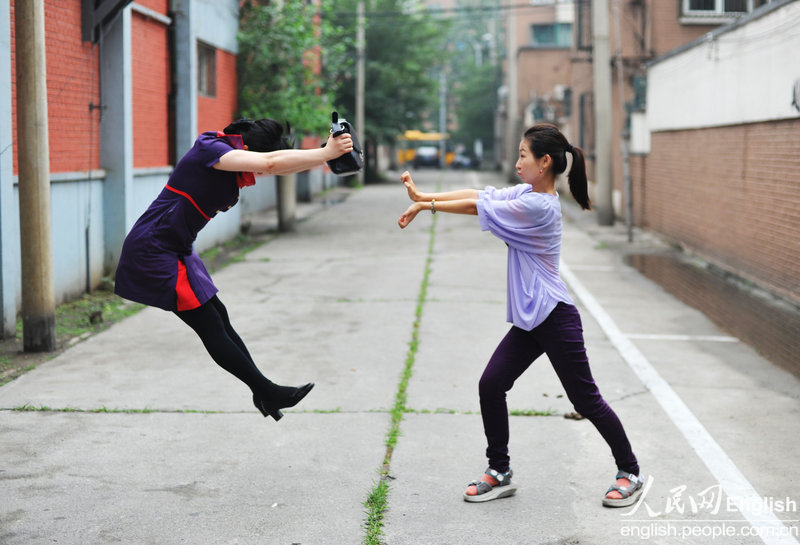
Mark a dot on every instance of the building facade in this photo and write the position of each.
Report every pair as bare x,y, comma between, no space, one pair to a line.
701,97
130,84
718,169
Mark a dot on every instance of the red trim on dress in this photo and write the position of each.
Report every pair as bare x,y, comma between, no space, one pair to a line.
191,200
187,300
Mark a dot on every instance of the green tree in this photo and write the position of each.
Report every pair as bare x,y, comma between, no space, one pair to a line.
406,47
476,103
475,72
279,44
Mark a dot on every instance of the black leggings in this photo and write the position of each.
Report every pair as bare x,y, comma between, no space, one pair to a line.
211,323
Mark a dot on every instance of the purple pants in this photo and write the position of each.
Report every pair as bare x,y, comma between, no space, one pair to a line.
560,336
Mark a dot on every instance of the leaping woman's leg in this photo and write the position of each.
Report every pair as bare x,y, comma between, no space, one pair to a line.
211,323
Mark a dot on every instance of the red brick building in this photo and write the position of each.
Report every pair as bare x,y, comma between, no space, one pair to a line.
129,86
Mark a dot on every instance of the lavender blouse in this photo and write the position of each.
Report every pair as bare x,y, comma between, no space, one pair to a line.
530,224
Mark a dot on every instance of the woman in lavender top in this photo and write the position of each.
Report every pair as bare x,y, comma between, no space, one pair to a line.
159,267
527,217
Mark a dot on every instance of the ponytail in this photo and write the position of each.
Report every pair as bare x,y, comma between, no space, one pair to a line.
545,139
578,184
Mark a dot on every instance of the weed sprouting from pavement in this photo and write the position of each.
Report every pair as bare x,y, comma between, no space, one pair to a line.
376,506
377,500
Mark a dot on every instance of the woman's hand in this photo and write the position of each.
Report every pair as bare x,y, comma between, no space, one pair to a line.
413,194
409,215
339,146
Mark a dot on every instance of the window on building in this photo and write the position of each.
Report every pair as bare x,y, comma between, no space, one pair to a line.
722,10
552,35
206,70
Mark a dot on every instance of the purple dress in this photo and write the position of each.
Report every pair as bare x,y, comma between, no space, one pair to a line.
158,265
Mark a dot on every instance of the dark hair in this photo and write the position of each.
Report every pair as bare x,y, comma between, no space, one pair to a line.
545,139
261,134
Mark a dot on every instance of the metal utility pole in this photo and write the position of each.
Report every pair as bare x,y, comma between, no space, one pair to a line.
601,64
38,300
360,84
513,129
623,141
287,201
442,119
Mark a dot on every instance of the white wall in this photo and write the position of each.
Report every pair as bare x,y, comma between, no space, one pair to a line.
740,74
217,23
77,231
9,220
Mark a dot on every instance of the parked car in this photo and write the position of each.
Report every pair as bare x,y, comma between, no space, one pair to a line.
466,160
426,156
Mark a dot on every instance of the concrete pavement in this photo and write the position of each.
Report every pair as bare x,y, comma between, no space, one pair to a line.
146,441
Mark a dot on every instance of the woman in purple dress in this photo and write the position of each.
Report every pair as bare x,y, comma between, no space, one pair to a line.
527,217
159,267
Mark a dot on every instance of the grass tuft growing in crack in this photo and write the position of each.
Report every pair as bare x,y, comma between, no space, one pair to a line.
377,500
27,408
376,506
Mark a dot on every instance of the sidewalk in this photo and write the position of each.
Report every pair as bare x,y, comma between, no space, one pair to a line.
146,441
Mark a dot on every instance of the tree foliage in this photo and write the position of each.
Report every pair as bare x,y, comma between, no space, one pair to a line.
475,72
405,50
280,44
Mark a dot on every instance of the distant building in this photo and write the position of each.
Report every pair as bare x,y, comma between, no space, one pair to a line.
550,45
706,104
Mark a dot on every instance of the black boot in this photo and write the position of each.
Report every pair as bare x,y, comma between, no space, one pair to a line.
281,397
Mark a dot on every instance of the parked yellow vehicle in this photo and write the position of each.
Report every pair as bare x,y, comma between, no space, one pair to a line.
411,140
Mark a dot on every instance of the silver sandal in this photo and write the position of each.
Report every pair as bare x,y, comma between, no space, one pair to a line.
629,493
487,492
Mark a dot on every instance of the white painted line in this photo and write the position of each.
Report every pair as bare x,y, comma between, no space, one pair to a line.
709,338
755,508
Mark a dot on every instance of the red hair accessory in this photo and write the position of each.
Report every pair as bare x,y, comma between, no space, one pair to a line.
235,140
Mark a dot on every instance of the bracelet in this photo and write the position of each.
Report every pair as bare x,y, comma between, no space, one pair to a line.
433,209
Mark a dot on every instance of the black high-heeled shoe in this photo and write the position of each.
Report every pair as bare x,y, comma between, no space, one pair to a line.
273,406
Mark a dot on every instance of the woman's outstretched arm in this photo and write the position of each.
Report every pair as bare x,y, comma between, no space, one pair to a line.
285,161
417,196
459,206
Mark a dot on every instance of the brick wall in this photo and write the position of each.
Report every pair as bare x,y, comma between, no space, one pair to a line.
160,6
73,83
659,32
541,69
667,33
667,30
214,113
151,87
732,194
